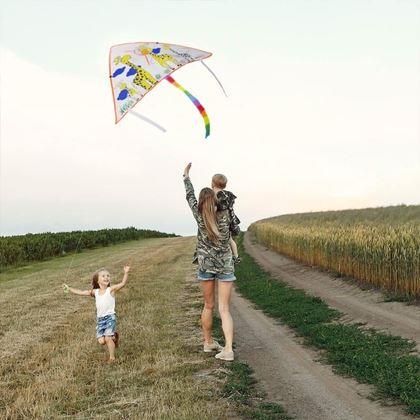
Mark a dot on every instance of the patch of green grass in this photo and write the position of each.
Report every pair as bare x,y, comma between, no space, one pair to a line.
240,384
240,387
369,356
400,297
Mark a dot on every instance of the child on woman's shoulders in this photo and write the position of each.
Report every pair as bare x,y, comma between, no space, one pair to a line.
225,201
104,295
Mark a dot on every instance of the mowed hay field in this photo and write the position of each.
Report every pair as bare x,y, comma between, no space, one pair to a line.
52,367
379,247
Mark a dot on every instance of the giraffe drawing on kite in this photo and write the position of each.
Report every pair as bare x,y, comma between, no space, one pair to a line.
161,59
142,77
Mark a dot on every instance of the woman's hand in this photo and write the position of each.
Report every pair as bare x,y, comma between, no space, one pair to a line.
126,269
187,170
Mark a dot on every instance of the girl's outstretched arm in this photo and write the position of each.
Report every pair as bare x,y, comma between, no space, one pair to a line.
119,286
67,289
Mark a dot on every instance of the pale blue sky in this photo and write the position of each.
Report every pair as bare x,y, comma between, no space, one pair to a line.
323,110
77,31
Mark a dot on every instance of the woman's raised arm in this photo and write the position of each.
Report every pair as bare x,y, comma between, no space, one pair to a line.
189,189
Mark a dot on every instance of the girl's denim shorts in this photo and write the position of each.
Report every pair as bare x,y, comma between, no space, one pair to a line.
106,326
204,275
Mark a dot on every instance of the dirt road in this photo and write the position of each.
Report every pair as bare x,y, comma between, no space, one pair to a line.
365,306
291,375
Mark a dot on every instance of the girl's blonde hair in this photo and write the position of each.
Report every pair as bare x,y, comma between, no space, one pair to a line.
95,278
207,207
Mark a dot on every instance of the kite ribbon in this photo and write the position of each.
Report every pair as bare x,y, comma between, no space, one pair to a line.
195,101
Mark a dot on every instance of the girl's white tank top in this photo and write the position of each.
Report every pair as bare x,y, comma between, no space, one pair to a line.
105,304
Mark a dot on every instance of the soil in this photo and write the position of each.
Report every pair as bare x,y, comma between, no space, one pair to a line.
359,306
291,375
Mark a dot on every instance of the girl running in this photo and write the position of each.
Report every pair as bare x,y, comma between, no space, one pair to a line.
104,295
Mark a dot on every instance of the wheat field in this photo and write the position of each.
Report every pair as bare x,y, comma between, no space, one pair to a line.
379,247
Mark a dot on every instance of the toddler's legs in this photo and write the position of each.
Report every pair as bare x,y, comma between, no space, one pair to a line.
233,247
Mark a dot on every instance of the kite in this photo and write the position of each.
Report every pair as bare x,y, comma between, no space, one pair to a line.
136,68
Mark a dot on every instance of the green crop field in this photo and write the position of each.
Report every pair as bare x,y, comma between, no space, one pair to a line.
20,249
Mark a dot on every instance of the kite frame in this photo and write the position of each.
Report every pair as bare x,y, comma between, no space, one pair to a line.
146,42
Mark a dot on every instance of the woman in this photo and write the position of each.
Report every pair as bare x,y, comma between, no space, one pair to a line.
214,263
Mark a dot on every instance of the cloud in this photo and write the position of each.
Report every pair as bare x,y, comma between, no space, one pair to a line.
308,140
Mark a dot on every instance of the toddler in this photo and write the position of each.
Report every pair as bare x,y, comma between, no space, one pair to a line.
225,201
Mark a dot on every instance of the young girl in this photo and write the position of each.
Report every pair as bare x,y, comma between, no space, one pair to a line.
104,295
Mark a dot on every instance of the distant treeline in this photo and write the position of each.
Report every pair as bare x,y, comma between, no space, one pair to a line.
16,250
378,246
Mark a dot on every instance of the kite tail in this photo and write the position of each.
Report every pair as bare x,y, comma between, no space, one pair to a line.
195,101
214,75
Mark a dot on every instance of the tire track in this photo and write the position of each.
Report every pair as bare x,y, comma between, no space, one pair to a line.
362,306
291,375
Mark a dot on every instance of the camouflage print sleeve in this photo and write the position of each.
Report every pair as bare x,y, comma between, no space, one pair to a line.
192,201
234,224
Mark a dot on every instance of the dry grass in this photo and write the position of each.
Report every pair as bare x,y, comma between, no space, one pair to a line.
51,366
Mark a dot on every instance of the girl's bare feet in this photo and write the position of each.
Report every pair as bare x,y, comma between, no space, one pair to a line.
111,360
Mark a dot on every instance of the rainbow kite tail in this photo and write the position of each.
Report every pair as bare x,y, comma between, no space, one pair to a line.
195,101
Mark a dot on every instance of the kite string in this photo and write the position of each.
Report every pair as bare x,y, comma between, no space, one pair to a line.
71,262
194,100
62,250
214,75
148,120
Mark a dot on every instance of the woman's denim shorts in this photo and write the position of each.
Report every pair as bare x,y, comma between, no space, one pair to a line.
106,326
203,276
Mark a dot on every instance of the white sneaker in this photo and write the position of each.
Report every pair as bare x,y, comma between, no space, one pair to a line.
215,346
225,355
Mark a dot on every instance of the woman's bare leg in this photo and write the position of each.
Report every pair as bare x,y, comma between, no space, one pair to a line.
207,314
225,291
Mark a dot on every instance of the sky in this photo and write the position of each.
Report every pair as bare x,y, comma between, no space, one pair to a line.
322,113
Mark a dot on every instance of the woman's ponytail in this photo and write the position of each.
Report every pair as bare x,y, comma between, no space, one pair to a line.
207,207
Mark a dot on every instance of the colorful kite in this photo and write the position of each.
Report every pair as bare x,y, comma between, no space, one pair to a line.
136,68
